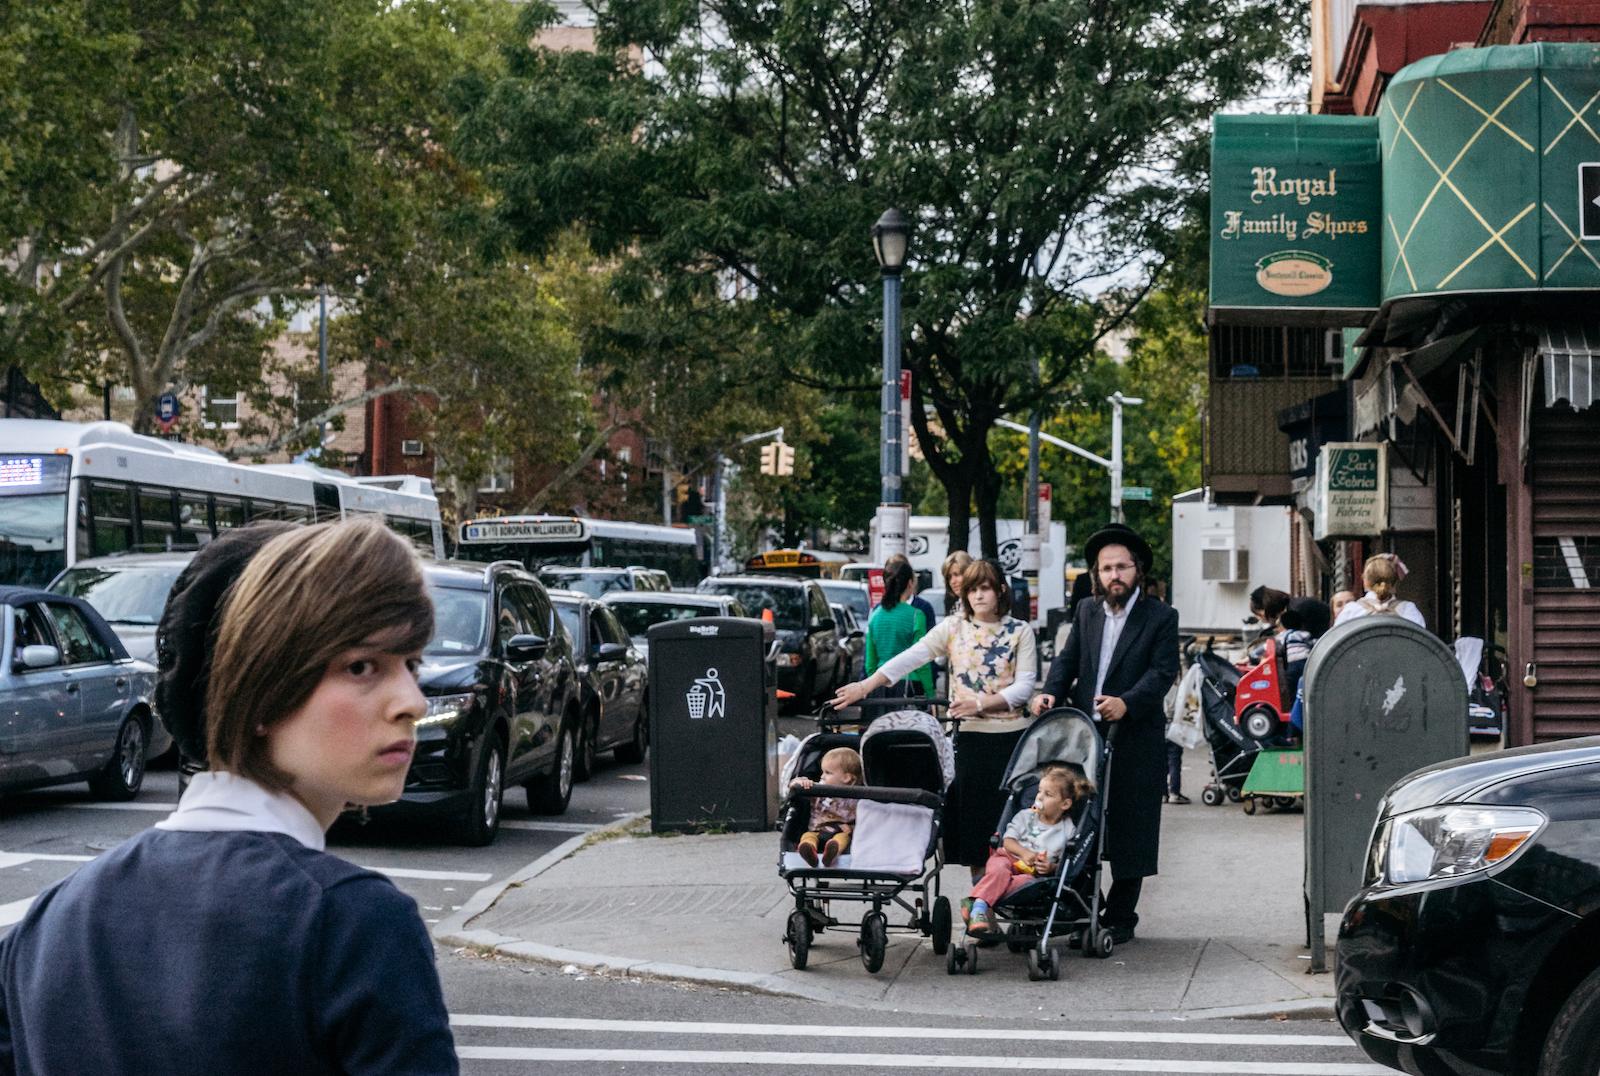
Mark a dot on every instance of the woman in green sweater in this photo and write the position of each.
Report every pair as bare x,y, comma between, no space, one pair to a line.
897,624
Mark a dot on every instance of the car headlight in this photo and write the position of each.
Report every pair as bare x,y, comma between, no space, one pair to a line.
789,661
1449,841
444,710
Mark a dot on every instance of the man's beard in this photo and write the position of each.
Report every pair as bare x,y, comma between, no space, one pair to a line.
1115,600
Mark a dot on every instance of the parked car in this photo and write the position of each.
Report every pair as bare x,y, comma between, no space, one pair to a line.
504,701
129,590
1472,946
596,582
613,675
76,706
638,610
852,643
846,592
808,656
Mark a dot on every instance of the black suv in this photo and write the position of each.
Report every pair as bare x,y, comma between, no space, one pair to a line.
612,672
504,700
1474,946
809,662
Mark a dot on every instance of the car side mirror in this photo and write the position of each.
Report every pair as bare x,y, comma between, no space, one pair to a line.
39,657
526,647
610,651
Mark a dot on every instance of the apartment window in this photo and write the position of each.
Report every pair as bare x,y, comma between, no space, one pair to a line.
498,480
219,411
410,447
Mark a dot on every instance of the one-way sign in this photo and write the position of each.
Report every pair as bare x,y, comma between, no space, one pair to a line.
1589,200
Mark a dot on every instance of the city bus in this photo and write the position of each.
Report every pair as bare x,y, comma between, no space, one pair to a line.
71,490
580,542
809,563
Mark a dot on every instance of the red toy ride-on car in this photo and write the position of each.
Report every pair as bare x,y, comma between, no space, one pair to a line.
1261,704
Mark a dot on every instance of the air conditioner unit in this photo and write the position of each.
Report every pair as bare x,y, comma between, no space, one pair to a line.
410,447
1226,565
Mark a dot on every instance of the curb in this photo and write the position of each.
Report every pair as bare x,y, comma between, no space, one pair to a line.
453,932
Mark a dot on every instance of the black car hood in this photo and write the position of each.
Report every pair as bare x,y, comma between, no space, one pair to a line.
441,673
1462,779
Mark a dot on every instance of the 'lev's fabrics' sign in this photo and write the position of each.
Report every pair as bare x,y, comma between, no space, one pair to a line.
1295,211
1352,490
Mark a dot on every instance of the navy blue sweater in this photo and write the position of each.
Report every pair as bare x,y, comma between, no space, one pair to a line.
234,952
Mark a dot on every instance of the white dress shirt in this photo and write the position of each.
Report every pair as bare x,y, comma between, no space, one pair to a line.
1115,622
217,802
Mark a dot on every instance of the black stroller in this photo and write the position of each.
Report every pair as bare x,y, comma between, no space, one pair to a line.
894,858
1233,752
1067,903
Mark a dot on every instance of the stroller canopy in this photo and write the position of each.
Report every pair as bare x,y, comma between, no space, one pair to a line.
907,749
1061,735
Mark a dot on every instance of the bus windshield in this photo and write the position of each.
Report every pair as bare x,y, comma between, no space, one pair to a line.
33,518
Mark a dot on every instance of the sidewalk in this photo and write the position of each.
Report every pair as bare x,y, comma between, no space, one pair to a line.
1221,931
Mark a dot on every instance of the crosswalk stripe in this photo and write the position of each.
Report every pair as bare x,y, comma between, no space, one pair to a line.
824,1061
438,876
162,808
845,1031
16,859
553,827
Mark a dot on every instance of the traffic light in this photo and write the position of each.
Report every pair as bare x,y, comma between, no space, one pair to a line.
785,459
769,459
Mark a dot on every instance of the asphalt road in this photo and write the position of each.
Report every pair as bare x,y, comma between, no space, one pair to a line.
515,1017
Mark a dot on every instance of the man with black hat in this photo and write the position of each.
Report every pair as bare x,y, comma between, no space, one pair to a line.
1117,665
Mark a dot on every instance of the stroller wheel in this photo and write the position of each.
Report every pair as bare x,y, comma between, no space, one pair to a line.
1098,943
954,958
941,926
1250,805
798,939
1234,795
1036,969
1211,796
874,940
1014,940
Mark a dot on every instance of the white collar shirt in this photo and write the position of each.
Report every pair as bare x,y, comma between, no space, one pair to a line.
1115,622
217,802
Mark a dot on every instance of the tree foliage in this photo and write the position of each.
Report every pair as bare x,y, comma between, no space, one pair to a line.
1043,148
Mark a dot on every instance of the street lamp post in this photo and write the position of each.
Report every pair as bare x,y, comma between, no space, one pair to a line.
1118,401
890,238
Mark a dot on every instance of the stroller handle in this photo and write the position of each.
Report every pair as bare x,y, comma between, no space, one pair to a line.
827,717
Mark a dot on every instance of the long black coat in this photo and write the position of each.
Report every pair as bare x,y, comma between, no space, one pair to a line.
1143,667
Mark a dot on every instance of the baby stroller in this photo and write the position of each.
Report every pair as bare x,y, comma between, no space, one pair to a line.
894,857
1066,904
1233,752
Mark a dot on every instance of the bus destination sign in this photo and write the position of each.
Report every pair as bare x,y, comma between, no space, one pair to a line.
539,530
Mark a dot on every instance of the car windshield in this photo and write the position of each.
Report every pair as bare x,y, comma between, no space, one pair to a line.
593,584
637,617
568,612
852,594
458,621
122,594
788,604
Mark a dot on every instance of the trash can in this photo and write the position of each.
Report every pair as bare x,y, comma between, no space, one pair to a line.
713,726
1383,697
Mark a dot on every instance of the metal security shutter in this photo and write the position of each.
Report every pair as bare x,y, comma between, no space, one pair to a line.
1565,597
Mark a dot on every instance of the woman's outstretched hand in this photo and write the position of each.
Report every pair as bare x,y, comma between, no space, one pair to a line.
848,695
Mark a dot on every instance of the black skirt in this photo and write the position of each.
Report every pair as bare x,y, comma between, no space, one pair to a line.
973,805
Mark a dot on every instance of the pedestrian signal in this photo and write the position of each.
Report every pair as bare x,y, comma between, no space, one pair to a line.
785,459
769,459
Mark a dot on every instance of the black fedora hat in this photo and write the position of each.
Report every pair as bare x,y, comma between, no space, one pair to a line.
1118,534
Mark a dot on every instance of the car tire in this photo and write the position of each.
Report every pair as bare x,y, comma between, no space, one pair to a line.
588,750
551,793
485,796
1569,1047
632,753
123,774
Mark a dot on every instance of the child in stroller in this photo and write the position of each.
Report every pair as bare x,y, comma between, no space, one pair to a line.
832,818
1036,915
1033,846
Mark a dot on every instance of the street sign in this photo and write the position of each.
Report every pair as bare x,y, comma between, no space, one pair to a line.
701,521
1137,493
1589,200
167,408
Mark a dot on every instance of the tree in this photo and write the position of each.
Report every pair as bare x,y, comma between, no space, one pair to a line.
1165,365
1044,149
222,162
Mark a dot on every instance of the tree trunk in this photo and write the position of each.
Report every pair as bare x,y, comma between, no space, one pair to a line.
958,491
986,492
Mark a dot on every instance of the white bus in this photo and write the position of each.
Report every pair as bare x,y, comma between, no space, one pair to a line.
578,542
70,490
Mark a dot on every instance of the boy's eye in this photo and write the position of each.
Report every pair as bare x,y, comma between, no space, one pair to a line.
360,667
